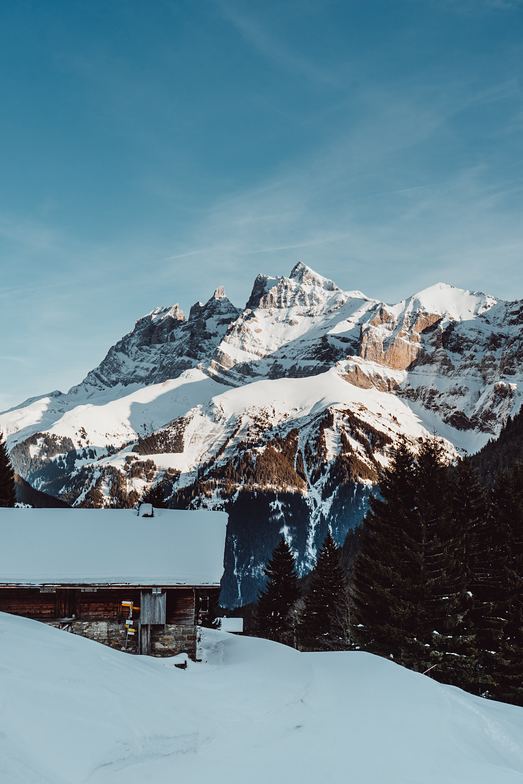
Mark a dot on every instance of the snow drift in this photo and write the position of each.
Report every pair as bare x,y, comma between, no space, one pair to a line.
73,711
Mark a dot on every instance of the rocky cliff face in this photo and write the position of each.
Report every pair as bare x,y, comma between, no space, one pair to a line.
291,327
162,345
283,412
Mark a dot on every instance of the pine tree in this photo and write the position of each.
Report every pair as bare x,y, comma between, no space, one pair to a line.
489,557
409,590
274,611
455,648
324,624
382,574
507,587
427,599
7,477
438,578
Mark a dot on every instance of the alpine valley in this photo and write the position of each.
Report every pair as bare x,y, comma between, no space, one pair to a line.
281,412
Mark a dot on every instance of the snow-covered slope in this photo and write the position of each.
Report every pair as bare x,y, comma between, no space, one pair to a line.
74,711
448,301
283,411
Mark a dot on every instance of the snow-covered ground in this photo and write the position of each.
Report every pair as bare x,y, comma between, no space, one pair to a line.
74,711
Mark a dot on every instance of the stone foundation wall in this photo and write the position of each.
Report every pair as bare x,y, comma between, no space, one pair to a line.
167,640
173,639
109,633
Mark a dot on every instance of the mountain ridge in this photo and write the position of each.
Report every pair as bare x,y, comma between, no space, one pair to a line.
282,412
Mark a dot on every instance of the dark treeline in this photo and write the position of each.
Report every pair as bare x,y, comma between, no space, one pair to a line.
502,453
7,477
433,579
312,616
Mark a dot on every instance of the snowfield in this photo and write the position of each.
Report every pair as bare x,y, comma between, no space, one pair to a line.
74,711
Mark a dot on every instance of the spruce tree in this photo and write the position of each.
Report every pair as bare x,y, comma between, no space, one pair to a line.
454,645
381,586
274,611
507,587
7,477
324,624
426,601
438,578
408,592
489,558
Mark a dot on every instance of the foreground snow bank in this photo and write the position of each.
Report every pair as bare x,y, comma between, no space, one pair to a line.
74,711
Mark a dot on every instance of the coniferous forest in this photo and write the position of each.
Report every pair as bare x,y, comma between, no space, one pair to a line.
7,477
434,579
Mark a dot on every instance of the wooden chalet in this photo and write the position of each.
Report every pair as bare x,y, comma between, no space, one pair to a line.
138,581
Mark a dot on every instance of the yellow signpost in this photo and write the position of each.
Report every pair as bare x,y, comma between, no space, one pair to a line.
130,631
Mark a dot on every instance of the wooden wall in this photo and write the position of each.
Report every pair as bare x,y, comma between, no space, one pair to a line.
180,607
28,602
102,604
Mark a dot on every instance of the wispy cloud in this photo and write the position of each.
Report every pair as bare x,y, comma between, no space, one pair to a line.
399,164
360,212
28,232
274,49
16,359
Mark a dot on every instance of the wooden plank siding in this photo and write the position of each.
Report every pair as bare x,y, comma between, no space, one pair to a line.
104,605
153,607
99,604
28,602
180,607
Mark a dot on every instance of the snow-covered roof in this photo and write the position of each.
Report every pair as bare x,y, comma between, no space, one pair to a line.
111,547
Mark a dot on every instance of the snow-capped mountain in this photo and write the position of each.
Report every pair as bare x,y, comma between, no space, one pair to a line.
295,326
283,411
162,345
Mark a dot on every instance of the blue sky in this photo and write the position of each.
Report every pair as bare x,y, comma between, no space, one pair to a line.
152,151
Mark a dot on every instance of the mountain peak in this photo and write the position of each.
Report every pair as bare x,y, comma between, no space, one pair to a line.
448,300
262,284
299,270
160,313
217,305
304,274
176,313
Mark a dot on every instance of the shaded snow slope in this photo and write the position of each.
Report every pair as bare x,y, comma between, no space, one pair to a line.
104,419
74,711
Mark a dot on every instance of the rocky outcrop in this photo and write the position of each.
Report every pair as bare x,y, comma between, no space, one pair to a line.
395,343
162,345
291,327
